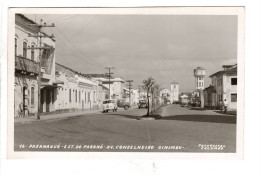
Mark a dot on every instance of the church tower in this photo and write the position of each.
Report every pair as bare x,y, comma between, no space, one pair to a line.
175,91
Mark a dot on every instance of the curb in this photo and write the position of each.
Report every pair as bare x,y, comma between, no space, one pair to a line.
52,119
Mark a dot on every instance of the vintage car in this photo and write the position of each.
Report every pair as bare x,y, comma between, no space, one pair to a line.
184,102
142,104
122,104
109,105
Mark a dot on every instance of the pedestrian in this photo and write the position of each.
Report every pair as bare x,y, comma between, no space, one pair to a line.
220,105
225,105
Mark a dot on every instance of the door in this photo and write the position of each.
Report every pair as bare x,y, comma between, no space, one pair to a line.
48,100
25,101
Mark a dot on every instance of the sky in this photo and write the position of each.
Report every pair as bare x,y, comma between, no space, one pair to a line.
166,47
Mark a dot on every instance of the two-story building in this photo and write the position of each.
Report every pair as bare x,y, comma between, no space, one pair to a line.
116,85
223,87
27,69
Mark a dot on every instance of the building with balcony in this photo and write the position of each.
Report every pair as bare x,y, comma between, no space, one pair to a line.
27,69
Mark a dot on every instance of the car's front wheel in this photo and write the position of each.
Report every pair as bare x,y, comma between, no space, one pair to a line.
126,107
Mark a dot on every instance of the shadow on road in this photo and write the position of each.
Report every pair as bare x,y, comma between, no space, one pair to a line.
195,118
126,116
228,112
203,118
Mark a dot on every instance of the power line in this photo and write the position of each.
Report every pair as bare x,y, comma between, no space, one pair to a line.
83,27
74,46
61,18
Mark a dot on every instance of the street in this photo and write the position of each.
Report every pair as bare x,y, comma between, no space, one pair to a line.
179,130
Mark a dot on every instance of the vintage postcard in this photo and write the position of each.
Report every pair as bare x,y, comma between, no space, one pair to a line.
161,82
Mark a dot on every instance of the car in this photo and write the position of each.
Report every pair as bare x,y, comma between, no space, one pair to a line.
109,105
142,104
184,102
122,104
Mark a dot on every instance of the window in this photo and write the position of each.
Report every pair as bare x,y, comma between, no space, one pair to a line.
199,84
32,95
233,97
88,96
85,97
70,95
94,97
79,96
76,96
233,81
53,95
15,47
24,49
32,53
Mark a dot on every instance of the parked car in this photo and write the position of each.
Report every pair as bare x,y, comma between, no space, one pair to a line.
142,104
109,105
122,104
184,103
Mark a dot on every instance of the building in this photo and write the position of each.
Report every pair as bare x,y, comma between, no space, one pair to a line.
223,87
165,96
27,70
207,93
175,91
169,96
116,86
77,92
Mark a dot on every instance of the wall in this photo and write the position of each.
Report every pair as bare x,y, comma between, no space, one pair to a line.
77,92
23,106
22,29
29,82
228,90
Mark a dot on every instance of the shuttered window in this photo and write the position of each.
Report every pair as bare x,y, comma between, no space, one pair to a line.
24,49
32,95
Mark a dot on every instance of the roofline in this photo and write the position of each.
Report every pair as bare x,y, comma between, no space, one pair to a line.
31,21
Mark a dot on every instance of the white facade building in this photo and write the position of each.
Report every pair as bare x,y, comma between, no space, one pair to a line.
170,95
116,86
27,70
224,84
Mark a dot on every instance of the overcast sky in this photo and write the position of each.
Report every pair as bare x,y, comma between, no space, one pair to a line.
166,47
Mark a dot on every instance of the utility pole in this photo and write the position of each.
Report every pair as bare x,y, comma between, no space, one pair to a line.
39,36
109,77
129,87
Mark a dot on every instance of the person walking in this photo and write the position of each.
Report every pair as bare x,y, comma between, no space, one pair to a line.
225,106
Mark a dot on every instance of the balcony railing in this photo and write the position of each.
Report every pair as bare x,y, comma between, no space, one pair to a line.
26,65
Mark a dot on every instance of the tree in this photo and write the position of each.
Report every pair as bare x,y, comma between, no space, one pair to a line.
147,85
155,92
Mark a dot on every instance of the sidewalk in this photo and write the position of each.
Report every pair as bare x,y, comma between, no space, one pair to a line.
54,116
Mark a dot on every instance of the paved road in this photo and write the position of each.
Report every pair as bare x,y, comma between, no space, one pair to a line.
179,130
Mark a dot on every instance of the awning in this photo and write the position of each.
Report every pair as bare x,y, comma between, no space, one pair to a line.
58,82
46,85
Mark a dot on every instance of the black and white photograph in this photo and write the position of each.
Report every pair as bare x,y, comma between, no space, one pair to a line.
138,80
